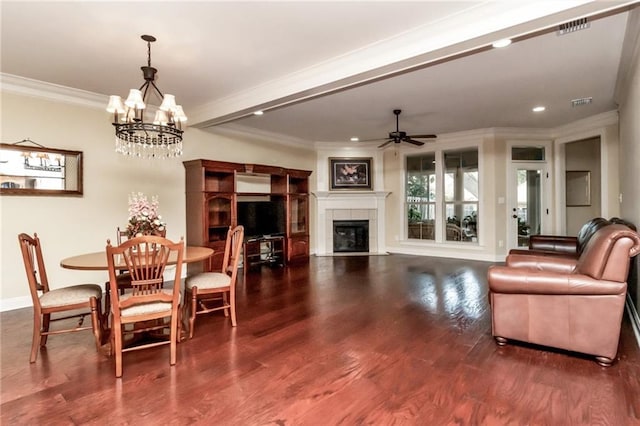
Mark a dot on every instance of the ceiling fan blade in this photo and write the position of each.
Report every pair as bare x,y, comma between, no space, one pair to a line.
386,143
413,142
422,136
372,140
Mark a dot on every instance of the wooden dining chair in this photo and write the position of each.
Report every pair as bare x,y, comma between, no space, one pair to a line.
213,291
47,301
146,305
123,277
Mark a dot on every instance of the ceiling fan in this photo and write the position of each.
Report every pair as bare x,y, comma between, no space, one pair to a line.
398,136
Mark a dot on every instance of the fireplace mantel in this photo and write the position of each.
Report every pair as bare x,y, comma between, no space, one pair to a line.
350,194
350,205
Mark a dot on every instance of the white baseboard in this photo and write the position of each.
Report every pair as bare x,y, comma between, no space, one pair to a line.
634,317
15,303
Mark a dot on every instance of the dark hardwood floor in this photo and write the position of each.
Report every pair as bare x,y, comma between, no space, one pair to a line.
343,340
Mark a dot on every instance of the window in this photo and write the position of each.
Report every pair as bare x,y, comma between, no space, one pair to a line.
461,195
457,204
527,153
421,196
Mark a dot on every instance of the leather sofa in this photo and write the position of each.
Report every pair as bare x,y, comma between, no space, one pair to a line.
563,302
564,245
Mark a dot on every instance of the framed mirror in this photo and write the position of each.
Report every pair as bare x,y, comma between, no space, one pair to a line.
27,170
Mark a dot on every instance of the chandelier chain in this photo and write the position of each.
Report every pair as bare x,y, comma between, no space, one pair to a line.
148,53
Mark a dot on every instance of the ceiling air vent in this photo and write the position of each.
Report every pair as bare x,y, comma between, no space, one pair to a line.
573,26
581,101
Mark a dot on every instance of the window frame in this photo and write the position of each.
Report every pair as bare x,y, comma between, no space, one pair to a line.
438,149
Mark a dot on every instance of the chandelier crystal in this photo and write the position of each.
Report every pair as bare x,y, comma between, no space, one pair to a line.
138,137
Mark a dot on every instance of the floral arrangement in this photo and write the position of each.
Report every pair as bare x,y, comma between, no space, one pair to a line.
143,216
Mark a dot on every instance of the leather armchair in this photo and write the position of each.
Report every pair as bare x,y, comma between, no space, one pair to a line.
571,304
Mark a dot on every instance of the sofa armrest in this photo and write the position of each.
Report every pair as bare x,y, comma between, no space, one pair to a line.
556,243
542,262
544,253
503,279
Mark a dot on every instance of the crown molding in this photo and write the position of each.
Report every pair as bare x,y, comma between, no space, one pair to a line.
595,122
54,92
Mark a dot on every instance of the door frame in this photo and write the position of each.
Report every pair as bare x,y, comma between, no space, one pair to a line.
605,177
547,177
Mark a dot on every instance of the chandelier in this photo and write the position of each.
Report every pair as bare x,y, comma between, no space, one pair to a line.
135,136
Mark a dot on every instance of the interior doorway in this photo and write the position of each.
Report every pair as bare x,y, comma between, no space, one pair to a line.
582,183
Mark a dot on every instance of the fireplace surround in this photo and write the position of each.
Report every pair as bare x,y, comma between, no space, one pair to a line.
350,206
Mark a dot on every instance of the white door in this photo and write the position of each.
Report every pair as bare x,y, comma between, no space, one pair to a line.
527,203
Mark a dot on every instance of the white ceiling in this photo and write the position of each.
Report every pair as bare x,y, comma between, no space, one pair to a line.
223,60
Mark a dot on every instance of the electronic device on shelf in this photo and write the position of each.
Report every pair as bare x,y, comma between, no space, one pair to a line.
262,219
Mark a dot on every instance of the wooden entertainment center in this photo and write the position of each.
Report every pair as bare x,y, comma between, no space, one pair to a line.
212,198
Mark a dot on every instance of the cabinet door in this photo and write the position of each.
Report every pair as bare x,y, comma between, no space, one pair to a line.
298,249
298,214
219,216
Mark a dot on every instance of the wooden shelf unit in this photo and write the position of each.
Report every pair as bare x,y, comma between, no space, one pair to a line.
211,206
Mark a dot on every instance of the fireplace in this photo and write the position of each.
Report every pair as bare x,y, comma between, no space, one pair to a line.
350,236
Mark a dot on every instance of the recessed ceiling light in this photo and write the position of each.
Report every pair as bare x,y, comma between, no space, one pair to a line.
539,109
355,139
258,113
502,43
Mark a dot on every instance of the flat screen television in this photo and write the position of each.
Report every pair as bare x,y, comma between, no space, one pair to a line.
261,218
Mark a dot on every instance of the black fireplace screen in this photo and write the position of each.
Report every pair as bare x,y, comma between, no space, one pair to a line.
350,236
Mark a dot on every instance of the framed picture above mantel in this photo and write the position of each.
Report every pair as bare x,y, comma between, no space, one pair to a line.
350,174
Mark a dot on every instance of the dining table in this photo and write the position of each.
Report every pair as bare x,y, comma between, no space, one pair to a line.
97,261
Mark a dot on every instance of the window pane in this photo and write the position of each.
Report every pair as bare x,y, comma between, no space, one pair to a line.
470,186
527,153
461,188
449,186
421,196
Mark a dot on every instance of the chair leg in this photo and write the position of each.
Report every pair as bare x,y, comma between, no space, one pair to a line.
173,335
232,303
180,323
96,321
46,321
192,316
225,301
36,337
604,361
107,302
117,347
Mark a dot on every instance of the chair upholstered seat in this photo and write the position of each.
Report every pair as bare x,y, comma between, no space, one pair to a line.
70,295
146,308
206,280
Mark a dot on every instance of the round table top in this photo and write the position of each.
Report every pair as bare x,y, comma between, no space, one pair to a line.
98,261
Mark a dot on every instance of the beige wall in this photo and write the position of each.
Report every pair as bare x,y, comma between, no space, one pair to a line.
584,156
73,225
630,141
